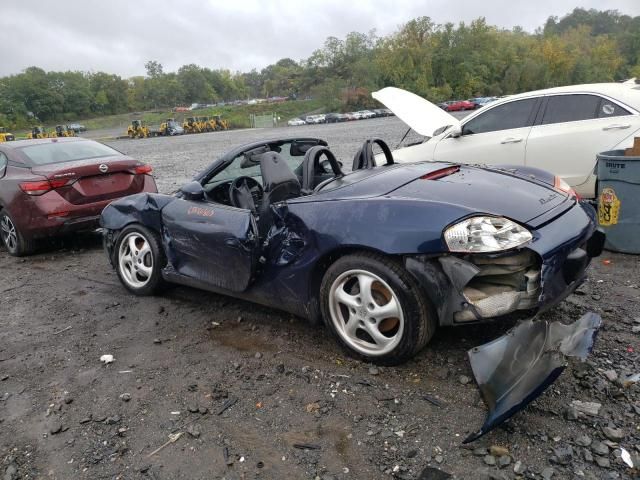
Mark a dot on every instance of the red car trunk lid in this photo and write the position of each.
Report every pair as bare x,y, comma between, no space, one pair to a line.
94,180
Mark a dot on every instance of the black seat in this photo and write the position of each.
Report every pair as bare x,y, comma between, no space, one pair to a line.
279,184
365,158
313,173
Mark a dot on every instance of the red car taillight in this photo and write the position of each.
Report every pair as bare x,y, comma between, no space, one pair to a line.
564,187
143,169
42,187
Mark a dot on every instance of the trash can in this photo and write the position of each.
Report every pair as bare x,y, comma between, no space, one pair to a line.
619,200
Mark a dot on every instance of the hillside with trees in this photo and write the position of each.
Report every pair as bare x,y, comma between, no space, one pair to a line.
436,61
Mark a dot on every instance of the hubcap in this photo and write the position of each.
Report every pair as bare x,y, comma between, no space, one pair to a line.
366,312
9,235
135,260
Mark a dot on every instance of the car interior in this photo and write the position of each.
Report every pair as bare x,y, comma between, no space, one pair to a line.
279,171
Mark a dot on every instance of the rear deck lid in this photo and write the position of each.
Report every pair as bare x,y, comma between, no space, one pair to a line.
484,191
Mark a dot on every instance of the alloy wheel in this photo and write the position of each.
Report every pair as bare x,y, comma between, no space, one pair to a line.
135,260
366,312
9,234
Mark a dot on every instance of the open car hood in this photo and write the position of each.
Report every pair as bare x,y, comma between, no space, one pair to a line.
514,369
421,115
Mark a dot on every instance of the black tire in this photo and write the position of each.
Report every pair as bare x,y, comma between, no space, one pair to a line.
13,240
418,316
149,284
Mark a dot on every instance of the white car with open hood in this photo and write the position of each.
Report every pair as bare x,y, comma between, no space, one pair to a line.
559,129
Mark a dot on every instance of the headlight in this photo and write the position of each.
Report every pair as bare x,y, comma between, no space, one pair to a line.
485,234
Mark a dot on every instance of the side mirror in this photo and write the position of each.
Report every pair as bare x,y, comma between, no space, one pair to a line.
455,131
192,191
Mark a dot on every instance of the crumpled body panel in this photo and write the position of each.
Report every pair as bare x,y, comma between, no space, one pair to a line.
144,208
514,369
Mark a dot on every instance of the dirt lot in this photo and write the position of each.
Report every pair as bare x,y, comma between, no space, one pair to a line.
248,386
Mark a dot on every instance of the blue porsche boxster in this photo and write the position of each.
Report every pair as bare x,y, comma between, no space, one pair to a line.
382,254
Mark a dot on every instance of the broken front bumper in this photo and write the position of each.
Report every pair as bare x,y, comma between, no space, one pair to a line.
516,368
477,287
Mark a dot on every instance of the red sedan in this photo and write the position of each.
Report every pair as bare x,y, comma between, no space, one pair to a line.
59,185
457,105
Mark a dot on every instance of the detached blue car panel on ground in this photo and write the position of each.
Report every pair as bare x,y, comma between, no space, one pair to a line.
541,349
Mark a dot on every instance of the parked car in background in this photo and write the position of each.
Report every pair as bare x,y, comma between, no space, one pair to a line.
367,114
482,101
77,127
558,129
60,185
314,119
335,117
457,105
295,122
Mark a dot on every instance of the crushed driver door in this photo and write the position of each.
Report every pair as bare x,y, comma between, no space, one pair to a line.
211,243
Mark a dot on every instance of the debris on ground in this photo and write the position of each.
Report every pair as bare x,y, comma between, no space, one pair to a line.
228,404
173,438
589,408
107,359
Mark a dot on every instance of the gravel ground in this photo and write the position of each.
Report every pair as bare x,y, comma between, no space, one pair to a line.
249,387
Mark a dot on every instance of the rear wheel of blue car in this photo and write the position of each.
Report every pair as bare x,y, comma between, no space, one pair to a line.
140,260
375,308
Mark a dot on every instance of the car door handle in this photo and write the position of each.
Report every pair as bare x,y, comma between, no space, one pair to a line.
511,140
617,126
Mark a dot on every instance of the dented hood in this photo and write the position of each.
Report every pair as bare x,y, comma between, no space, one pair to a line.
515,369
421,115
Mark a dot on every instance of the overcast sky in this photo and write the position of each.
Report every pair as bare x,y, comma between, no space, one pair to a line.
120,36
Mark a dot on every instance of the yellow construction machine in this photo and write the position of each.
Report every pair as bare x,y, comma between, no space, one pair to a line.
219,123
138,129
190,125
63,131
6,136
203,123
38,132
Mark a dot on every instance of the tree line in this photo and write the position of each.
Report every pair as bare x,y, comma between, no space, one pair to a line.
437,61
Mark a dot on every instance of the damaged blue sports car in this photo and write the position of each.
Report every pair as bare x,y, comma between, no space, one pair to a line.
382,255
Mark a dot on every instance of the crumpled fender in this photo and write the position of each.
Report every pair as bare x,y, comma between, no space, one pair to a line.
142,208
514,369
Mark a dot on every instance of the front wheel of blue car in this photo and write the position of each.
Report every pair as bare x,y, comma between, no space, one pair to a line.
139,260
375,308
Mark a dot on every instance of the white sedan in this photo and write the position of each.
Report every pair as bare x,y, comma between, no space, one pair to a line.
294,122
559,129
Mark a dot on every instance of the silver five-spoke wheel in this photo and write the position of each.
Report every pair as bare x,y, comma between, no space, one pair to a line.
135,260
9,235
366,312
